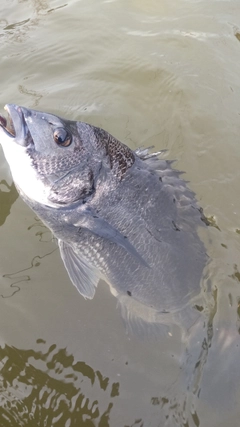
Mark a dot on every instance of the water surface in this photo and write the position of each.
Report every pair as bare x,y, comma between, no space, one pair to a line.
151,73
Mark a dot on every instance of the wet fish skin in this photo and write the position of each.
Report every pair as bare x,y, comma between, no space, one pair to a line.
120,215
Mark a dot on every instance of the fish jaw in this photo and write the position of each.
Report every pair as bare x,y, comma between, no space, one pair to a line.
15,140
16,126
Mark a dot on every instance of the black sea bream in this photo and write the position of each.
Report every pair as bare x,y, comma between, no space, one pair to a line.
121,215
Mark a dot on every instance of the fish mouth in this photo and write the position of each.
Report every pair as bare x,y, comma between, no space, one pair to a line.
7,125
14,125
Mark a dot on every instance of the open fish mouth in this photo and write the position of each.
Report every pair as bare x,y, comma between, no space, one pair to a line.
7,124
15,126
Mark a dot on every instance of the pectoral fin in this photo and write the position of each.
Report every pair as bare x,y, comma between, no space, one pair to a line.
84,276
102,228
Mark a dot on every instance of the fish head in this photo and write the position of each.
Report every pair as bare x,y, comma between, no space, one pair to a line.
53,161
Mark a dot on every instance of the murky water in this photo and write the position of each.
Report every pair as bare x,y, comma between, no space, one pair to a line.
151,73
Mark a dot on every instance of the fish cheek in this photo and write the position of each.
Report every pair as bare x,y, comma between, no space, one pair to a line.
75,186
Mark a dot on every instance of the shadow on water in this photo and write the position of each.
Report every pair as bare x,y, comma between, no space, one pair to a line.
47,387
8,196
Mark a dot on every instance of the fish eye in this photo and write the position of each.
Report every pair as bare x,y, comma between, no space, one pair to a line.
62,137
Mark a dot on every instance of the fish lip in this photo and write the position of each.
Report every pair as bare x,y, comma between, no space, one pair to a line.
15,125
4,125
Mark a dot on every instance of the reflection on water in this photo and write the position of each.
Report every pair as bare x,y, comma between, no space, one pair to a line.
236,273
8,195
36,96
49,387
37,5
16,31
17,277
16,25
10,282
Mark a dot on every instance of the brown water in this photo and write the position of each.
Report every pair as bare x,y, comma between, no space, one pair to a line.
151,73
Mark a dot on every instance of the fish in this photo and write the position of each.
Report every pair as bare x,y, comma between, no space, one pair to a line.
120,215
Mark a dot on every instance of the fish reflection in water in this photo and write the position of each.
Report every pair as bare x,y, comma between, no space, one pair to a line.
53,394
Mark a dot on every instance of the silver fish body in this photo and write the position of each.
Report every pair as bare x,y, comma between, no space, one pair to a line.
120,215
